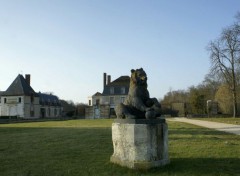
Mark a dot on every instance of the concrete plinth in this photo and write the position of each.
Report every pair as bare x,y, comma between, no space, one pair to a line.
140,143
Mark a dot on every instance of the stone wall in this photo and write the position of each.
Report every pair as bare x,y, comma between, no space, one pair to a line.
104,111
89,112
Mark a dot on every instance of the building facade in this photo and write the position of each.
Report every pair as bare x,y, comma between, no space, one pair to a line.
50,106
101,105
21,101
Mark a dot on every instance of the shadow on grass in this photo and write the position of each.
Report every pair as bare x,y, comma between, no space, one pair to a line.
16,121
199,131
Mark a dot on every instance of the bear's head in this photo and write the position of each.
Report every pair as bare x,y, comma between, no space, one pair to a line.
139,77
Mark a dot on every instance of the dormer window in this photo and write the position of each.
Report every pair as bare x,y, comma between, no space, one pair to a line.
111,90
123,90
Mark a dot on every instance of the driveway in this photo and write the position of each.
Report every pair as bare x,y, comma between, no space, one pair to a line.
229,128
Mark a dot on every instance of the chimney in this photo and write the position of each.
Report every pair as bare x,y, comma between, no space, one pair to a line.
109,79
104,79
28,78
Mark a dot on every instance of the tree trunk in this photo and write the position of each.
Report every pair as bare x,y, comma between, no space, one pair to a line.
234,91
234,104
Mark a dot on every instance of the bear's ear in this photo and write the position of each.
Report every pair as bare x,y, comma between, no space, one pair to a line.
132,71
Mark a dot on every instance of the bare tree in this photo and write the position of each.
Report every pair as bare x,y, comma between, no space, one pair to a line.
225,59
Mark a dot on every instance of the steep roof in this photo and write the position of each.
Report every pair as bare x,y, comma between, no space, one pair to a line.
121,81
97,94
117,85
48,99
19,87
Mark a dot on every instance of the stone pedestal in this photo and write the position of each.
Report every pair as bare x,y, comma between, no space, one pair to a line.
140,143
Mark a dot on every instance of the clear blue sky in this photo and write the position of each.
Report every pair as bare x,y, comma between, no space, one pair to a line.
67,45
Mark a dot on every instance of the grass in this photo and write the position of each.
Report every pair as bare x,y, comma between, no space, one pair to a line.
83,147
230,120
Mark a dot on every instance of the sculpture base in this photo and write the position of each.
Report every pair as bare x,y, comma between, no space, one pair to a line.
140,143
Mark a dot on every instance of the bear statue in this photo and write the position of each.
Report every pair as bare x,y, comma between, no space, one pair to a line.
138,104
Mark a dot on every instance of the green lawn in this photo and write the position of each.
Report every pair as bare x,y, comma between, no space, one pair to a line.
83,147
230,120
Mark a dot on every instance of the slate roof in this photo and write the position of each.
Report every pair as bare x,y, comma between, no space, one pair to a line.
97,94
118,84
19,87
1,92
49,99
121,81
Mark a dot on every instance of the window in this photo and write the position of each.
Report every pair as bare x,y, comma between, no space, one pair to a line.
112,112
49,112
122,99
55,112
32,113
123,90
97,102
32,98
111,90
89,102
5,100
111,100
19,100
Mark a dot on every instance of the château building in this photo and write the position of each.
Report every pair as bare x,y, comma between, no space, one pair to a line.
101,105
21,101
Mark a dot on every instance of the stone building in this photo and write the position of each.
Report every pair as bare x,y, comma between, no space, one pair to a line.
50,105
101,105
21,101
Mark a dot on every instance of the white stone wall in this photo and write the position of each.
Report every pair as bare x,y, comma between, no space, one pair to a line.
90,99
105,100
31,106
104,105
12,107
95,98
23,109
51,111
117,99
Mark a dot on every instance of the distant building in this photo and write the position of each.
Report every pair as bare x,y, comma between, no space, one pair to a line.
101,105
21,101
50,105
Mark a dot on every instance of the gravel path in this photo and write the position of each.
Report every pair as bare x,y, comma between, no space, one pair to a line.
229,128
